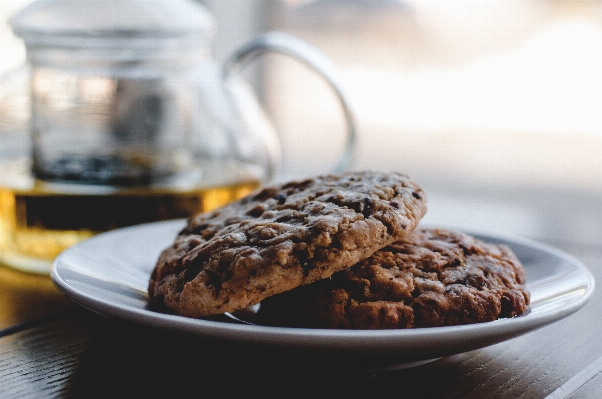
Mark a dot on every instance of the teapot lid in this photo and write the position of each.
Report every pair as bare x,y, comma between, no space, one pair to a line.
113,23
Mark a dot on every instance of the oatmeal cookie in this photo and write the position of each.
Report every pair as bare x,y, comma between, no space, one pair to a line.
281,237
433,277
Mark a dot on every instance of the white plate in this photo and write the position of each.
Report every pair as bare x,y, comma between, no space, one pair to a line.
108,274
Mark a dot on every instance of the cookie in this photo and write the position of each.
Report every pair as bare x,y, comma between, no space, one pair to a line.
433,277
281,237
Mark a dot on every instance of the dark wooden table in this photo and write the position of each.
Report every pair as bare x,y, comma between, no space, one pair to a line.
50,347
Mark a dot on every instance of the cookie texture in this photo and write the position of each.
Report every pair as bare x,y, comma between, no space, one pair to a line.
281,237
433,277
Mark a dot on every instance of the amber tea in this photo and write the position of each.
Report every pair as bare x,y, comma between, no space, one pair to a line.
40,219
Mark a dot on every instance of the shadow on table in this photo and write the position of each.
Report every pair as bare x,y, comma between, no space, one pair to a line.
133,361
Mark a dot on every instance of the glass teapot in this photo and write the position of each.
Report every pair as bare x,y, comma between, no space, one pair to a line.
131,121
124,92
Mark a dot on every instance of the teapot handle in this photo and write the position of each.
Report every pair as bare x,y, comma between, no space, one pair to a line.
302,51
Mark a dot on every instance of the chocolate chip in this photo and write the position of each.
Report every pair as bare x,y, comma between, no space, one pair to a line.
281,198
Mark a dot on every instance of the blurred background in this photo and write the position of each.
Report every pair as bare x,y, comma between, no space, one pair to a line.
494,106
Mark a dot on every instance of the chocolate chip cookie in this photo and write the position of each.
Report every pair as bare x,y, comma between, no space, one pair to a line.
433,277
282,237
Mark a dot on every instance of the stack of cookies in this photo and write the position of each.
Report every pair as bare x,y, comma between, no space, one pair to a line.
337,251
